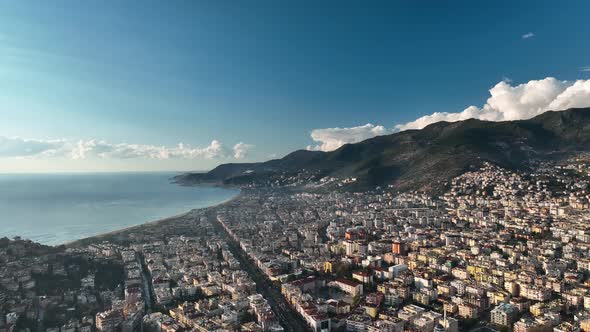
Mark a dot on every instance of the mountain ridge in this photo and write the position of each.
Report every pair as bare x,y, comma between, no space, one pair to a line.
424,158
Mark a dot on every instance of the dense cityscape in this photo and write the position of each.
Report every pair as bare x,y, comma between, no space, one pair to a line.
497,250
294,166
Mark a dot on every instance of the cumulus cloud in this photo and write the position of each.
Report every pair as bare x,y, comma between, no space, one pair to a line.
82,149
518,102
528,35
241,149
506,102
332,138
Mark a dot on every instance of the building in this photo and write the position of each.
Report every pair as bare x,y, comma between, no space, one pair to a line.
504,314
532,325
358,323
363,277
468,311
349,286
109,320
398,248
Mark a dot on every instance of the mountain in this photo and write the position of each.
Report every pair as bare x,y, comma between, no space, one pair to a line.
423,159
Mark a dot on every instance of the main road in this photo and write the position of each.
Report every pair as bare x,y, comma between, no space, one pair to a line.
289,319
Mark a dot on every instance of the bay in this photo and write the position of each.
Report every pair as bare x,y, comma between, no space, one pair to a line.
56,208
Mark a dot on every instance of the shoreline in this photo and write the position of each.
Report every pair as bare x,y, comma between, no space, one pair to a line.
98,237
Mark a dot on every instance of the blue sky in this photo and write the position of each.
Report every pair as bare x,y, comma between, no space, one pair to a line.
117,85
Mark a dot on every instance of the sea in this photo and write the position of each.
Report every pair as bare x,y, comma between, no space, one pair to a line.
54,209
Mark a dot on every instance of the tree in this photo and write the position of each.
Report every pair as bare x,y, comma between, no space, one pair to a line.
343,271
356,300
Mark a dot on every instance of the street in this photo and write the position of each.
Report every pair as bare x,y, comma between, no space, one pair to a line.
289,319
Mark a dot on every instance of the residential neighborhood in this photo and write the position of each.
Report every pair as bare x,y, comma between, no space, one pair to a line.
498,250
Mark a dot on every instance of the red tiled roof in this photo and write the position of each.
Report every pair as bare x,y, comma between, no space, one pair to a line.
348,282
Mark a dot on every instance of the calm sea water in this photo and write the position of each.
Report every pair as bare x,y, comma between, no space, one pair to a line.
57,208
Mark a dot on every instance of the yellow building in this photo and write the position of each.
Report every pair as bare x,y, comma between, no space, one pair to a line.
372,311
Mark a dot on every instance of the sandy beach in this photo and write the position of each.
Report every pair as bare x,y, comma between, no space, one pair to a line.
138,227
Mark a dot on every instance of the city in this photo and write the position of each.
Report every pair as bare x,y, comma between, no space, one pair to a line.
294,166
498,250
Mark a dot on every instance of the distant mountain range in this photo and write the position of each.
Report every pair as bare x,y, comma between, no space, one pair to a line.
423,159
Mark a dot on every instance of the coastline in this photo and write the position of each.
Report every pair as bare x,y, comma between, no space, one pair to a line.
101,236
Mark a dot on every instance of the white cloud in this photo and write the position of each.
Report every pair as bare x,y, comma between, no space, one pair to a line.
215,149
585,68
528,35
332,138
518,102
82,149
506,102
20,147
241,149
575,96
